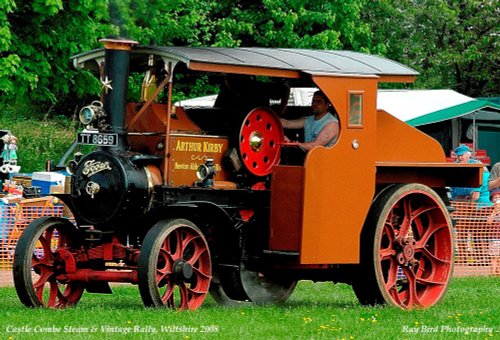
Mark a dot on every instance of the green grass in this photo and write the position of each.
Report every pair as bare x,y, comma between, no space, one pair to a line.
320,310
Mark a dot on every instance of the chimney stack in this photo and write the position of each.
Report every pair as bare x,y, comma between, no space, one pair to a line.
115,84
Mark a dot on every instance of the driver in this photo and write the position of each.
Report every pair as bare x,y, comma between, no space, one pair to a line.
320,129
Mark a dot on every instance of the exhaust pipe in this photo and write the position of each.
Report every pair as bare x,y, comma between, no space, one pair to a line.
115,84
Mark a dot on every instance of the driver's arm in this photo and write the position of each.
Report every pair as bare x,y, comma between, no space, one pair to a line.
294,123
328,133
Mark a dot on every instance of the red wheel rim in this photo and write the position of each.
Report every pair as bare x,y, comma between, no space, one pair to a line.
415,252
46,265
183,269
260,137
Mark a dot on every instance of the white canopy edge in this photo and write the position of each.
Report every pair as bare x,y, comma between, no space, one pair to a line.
409,104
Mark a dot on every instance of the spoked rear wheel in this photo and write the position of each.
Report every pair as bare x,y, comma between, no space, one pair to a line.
174,266
37,264
406,249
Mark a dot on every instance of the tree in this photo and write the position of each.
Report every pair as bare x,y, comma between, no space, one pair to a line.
9,62
38,39
292,23
453,44
173,22
227,23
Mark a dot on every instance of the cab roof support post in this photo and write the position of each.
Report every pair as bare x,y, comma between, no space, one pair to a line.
166,159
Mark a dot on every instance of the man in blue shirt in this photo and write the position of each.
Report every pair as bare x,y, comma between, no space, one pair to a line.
320,129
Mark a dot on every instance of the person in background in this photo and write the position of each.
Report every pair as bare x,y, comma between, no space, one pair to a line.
481,198
479,195
494,177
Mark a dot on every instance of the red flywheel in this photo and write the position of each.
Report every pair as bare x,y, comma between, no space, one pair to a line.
261,136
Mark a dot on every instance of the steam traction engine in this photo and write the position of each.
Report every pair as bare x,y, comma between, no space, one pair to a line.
184,201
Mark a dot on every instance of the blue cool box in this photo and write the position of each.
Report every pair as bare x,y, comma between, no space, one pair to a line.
45,180
44,185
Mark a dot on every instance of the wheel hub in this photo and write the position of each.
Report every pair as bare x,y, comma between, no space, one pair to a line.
182,270
406,250
256,140
57,264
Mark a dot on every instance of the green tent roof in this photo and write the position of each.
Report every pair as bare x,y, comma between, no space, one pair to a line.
453,112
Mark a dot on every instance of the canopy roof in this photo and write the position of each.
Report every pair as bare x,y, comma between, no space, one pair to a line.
317,62
421,107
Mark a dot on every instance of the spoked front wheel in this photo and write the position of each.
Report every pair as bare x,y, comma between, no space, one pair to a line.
174,267
37,264
406,249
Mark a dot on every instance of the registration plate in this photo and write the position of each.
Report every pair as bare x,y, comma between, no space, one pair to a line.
101,139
